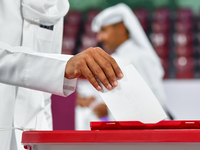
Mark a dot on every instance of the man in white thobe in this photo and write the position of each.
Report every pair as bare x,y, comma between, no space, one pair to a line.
30,64
122,36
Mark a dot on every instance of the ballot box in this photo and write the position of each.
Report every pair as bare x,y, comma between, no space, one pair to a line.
132,135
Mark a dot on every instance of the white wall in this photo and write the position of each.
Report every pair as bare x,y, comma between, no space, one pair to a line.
183,98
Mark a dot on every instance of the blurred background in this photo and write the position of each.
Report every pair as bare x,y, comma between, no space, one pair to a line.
173,28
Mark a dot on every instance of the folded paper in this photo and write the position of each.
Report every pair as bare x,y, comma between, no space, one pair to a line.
132,99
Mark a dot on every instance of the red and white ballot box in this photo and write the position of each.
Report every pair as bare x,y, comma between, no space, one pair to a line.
124,135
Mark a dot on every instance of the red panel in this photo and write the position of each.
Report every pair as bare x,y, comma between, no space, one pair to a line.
162,51
160,26
142,16
162,15
184,26
159,39
87,28
184,67
135,125
70,29
73,17
112,136
185,51
63,112
185,14
91,14
183,39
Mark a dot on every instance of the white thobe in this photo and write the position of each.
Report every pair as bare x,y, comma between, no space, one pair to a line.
129,53
26,69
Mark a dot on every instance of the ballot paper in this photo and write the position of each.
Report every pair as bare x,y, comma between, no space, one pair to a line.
132,99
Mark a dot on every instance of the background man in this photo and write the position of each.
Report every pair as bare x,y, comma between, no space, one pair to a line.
122,36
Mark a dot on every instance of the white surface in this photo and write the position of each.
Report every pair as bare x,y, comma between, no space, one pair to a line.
132,99
183,98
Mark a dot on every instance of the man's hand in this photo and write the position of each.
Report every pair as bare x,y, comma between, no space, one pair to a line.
94,63
84,101
101,110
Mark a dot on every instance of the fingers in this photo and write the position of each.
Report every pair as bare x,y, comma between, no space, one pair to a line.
93,69
111,70
94,63
112,61
98,70
86,72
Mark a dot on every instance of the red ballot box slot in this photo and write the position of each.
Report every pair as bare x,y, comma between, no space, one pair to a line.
133,125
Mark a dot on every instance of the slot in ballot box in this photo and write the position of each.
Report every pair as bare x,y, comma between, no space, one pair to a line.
123,135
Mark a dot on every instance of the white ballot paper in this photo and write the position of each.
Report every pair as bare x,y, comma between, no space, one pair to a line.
132,99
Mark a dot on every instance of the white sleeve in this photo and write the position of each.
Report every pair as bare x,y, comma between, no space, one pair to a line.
20,66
